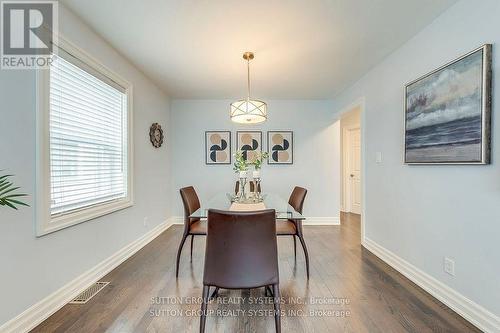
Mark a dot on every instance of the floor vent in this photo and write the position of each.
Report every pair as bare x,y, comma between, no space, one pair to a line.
88,293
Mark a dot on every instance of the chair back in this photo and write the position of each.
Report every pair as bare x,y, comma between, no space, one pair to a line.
252,187
297,198
241,249
191,203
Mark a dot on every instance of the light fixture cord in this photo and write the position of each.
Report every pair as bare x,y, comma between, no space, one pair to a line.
248,79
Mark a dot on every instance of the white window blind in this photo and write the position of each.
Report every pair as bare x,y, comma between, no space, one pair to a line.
88,137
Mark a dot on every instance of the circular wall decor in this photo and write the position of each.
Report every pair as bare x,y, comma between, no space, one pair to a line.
156,135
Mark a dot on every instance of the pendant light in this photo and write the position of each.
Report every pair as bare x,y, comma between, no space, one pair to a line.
248,111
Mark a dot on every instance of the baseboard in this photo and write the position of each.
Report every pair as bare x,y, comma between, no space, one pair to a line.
176,219
37,313
328,220
472,312
333,220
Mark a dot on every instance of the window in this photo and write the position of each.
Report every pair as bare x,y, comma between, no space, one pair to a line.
84,148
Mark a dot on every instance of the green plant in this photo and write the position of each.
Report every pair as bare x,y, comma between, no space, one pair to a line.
8,197
240,164
259,159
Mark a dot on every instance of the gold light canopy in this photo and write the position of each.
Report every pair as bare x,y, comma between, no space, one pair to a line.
248,111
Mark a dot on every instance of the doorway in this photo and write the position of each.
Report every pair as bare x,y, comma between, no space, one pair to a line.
353,195
350,123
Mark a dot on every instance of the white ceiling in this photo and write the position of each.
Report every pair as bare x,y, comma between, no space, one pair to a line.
304,49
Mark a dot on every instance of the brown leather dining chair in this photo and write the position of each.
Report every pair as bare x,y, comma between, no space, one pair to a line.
252,186
294,227
192,226
241,253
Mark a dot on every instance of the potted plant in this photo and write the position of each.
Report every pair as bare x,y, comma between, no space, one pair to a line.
240,164
257,163
8,197
241,167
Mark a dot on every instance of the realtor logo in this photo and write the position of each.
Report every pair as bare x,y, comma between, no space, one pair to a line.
28,32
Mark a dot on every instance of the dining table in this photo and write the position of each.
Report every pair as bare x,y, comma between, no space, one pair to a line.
227,201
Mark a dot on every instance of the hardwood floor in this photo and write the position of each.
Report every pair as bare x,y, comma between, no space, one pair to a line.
363,293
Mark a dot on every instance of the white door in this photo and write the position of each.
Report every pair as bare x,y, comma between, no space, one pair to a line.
355,170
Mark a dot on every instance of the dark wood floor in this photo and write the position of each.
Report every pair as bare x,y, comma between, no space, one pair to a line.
364,294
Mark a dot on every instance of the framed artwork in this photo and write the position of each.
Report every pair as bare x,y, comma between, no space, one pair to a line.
448,112
249,142
280,147
218,147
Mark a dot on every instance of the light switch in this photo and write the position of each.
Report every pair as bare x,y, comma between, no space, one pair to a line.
378,157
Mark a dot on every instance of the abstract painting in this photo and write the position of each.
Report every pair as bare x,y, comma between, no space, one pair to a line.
447,112
280,147
218,147
250,143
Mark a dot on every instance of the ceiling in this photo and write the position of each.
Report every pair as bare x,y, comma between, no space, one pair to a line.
304,49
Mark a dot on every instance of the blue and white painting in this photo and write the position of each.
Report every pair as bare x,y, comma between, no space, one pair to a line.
444,114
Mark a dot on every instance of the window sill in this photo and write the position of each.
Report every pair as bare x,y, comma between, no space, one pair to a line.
67,220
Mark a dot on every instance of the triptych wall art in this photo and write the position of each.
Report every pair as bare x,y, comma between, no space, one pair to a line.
447,112
218,146
279,145
250,143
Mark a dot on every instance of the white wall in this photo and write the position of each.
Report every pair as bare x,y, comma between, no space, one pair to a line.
316,152
424,213
32,268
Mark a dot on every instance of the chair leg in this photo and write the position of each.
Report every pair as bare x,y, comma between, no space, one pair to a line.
215,294
203,317
295,247
306,254
179,255
192,239
277,313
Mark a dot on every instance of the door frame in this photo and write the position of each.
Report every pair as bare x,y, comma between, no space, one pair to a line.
361,103
346,165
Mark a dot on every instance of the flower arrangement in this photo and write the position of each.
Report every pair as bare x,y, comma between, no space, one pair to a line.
259,160
240,164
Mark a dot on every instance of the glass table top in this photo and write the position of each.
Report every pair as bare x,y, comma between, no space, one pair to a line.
271,201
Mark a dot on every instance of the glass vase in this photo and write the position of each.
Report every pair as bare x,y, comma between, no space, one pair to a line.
242,195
